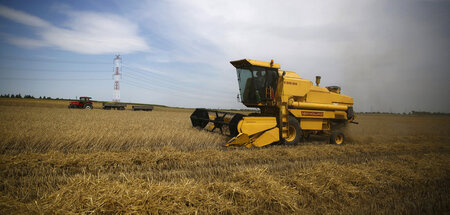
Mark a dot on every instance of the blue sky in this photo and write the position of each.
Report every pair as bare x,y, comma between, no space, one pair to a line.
388,55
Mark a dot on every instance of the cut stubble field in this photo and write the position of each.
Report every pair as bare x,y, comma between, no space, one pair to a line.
55,160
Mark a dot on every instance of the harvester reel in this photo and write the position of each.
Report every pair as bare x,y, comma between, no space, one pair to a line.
218,123
222,121
198,118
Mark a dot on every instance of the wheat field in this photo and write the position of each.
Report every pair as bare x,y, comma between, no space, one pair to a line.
55,160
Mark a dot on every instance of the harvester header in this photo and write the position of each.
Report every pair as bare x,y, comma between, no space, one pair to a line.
291,108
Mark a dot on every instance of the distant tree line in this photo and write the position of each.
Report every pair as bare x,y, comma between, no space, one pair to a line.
427,113
26,96
16,96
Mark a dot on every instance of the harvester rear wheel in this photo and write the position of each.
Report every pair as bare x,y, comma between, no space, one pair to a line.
294,132
337,138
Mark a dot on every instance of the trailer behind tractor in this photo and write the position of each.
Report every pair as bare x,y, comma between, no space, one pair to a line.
142,107
114,105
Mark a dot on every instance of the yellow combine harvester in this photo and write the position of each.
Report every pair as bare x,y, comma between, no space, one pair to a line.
291,108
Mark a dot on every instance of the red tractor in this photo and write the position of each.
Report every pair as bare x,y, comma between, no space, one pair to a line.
84,102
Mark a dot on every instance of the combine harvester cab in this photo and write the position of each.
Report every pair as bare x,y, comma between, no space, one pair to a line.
291,108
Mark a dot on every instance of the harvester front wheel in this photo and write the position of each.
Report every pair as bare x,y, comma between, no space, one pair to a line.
337,138
234,124
88,107
294,132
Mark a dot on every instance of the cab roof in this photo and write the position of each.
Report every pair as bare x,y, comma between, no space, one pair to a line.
249,62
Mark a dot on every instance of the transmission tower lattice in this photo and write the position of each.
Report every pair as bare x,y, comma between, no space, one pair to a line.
117,75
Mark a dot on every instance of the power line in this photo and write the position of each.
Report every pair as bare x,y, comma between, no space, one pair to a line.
174,93
156,78
176,85
54,79
153,74
53,70
142,78
176,89
142,75
135,84
160,76
158,85
53,60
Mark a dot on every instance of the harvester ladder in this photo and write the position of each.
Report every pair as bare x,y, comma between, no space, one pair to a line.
284,120
284,113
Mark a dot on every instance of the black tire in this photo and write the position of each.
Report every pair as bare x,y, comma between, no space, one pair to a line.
234,123
295,132
337,138
89,107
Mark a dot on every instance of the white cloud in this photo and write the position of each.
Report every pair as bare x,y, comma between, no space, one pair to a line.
22,18
84,32
367,47
26,42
